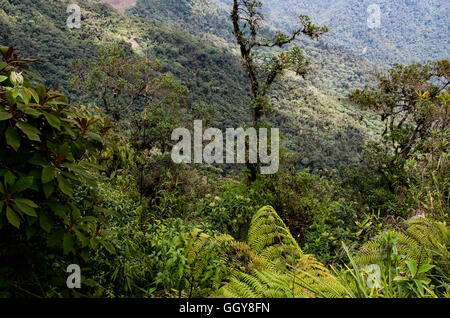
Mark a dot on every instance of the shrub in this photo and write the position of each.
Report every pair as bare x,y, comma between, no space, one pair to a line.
48,152
230,211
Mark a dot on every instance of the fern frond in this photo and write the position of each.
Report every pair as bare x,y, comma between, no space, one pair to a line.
269,237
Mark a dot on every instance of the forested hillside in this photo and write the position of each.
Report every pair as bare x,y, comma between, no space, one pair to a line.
334,72
210,71
409,30
110,189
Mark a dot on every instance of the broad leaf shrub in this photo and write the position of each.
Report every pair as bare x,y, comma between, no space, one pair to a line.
47,157
230,210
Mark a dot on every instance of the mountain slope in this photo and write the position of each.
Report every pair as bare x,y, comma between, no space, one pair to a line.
211,76
410,30
212,73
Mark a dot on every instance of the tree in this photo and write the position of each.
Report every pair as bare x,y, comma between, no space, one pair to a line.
120,80
407,101
247,19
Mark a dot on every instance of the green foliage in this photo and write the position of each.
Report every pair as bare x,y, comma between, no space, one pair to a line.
203,63
157,258
374,190
396,265
411,101
423,242
48,174
124,83
269,237
285,265
258,285
297,197
76,188
230,212
48,150
428,171
336,224
406,32
247,20
172,190
406,99
302,107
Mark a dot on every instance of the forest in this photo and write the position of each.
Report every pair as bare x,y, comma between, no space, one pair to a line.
359,207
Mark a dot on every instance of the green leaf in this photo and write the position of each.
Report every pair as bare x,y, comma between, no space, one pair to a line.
41,90
400,279
48,174
12,138
12,217
48,188
68,129
64,186
89,218
45,221
94,242
59,209
34,94
108,212
25,95
52,120
31,111
23,184
68,243
25,208
412,266
83,238
27,202
38,159
420,287
10,178
3,78
31,131
94,136
30,231
55,238
5,115
109,247
425,268
85,255
15,93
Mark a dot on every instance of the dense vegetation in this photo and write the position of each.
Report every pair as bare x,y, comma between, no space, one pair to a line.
86,175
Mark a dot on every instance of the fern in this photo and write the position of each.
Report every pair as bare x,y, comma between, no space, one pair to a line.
276,267
269,237
422,240
263,284
272,265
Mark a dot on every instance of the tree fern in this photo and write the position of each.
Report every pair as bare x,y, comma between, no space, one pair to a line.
422,240
279,264
269,237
